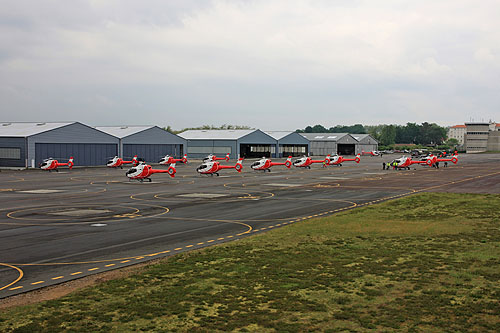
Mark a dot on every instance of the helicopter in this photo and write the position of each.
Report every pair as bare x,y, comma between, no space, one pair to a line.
212,157
52,164
116,162
305,162
213,167
143,171
167,159
265,164
338,160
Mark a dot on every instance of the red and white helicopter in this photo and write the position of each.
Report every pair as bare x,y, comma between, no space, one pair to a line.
167,159
212,158
338,160
144,171
116,162
265,164
305,162
371,153
433,159
213,167
404,162
52,164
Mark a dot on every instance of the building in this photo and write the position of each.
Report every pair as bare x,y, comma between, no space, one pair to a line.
147,142
457,132
25,144
322,144
365,143
244,143
289,143
476,137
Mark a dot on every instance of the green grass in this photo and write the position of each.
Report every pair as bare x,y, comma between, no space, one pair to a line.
429,262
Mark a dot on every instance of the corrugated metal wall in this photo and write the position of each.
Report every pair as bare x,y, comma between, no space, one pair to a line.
84,154
152,153
86,139
16,143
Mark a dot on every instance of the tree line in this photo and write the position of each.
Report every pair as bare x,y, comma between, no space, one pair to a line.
411,133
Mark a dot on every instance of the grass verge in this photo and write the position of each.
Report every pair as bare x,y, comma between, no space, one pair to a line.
429,262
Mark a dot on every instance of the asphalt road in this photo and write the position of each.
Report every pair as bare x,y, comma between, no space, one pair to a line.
59,226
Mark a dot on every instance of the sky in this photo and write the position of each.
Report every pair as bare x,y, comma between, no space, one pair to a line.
272,65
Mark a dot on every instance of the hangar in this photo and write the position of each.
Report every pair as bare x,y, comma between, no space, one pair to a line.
26,144
322,144
147,142
244,143
365,143
289,143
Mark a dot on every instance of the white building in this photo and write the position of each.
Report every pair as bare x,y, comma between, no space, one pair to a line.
457,132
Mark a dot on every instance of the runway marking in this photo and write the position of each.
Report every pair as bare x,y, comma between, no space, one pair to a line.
18,287
76,273
57,277
210,241
177,249
41,191
109,265
19,277
38,282
200,243
189,245
124,261
93,269
139,258
282,185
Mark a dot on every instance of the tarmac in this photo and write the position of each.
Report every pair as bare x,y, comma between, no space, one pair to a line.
60,226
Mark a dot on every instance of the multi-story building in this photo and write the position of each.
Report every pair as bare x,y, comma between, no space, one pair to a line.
476,137
457,132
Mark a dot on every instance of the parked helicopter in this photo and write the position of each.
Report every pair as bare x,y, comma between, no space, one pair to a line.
116,162
338,160
52,164
144,171
212,157
265,164
213,167
404,162
305,162
371,153
167,159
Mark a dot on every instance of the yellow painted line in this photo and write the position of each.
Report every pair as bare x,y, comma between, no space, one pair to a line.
189,245
165,251
278,224
271,227
18,287
200,243
255,230
76,273
21,274
38,282
210,241
109,265
93,269
230,236
177,249
220,238
139,258
57,277
124,261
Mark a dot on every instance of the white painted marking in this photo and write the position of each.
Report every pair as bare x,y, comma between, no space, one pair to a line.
334,177
98,225
81,212
202,195
282,185
375,173
41,191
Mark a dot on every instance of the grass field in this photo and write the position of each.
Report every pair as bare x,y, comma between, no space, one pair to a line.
429,262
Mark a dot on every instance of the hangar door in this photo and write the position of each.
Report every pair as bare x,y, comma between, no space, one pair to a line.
346,149
151,152
256,150
85,154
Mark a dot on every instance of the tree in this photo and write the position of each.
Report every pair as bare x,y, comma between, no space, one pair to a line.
388,135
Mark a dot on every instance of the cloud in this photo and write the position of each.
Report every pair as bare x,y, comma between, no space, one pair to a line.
284,63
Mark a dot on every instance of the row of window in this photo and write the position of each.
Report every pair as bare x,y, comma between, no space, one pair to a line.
477,133
209,150
10,153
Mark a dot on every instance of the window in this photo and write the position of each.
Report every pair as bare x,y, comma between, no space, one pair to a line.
10,153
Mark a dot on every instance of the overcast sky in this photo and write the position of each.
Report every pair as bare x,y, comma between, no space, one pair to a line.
271,64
